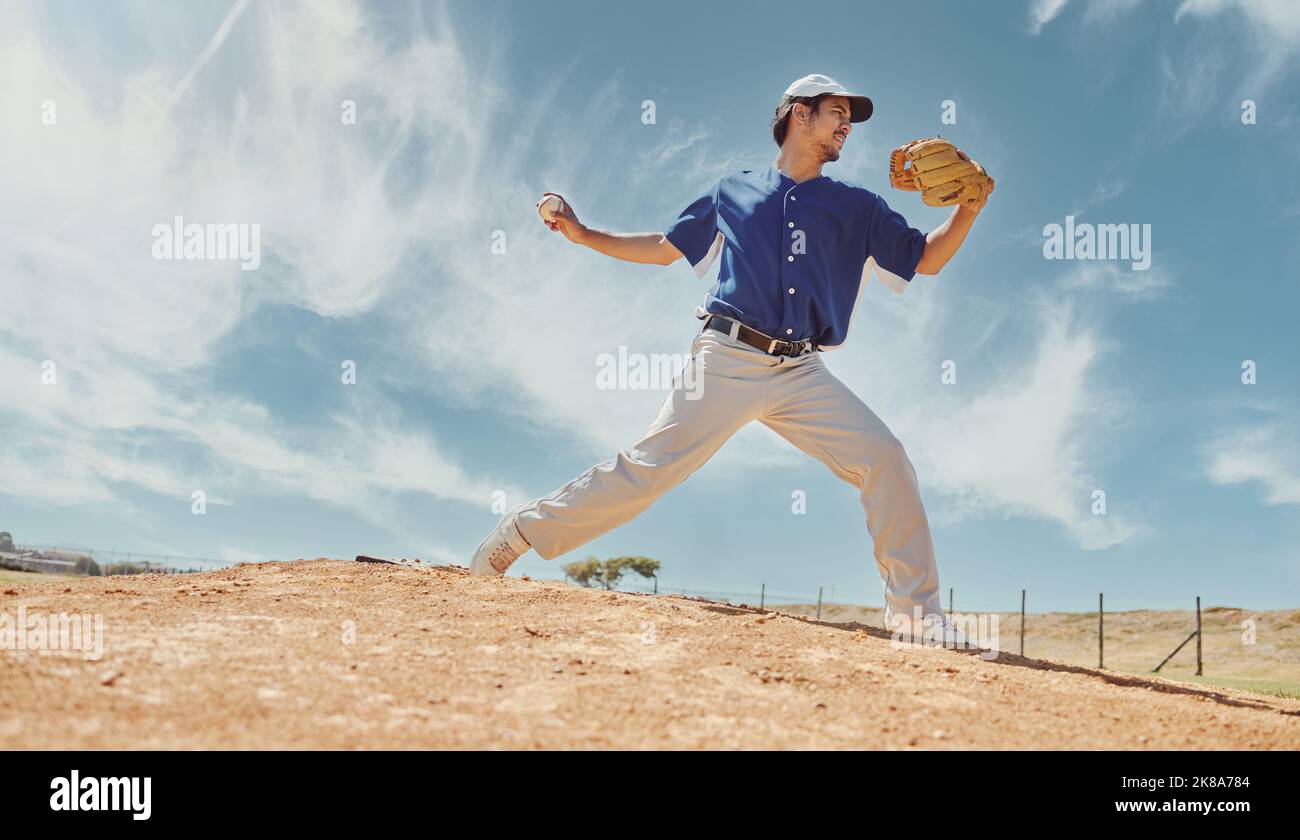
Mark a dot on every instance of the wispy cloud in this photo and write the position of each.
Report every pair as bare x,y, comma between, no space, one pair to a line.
214,44
1265,454
1274,26
1278,19
1103,192
1133,285
134,340
1043,12
1021,444
678,137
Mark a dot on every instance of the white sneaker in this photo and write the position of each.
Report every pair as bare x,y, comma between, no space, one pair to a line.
501,548
935,630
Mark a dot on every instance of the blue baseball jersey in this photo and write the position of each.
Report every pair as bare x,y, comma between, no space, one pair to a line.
795,256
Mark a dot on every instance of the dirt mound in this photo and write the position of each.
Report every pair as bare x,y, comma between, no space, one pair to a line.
329,654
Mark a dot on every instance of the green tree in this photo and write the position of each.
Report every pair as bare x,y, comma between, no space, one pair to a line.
609,572
583,571
643,566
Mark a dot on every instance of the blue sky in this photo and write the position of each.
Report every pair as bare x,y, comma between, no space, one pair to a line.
476,371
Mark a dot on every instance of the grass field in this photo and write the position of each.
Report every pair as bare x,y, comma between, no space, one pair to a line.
15,576
1287,689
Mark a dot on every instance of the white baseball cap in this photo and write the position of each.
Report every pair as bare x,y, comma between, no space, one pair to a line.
816,84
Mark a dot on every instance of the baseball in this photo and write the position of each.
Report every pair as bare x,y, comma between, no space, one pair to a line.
550,207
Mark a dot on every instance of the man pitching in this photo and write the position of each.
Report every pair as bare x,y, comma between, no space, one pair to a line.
796,248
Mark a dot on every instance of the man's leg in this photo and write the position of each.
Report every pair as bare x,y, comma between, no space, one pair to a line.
721,390
819,414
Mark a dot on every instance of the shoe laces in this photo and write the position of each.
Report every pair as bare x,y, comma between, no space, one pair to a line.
502,556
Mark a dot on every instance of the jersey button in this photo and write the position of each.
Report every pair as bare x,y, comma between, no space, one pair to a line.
789,259
792,290
789,332
792,224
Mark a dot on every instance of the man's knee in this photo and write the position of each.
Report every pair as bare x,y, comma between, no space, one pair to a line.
655,470
883,458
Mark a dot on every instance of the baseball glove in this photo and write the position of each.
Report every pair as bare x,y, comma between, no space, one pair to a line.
940,171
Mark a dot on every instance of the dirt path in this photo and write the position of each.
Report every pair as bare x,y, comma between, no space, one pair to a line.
327,654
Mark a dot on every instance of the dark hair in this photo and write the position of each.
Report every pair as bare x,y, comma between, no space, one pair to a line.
780,122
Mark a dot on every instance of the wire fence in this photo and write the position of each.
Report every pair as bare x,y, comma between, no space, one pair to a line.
825,598
95,562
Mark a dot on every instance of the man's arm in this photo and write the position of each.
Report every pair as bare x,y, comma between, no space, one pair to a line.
942,242
649,248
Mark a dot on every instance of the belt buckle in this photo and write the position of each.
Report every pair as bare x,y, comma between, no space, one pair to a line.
787,348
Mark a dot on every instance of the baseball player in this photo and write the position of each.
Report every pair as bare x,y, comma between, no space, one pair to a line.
797,247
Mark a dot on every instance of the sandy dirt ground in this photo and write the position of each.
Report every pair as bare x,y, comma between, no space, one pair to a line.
330,654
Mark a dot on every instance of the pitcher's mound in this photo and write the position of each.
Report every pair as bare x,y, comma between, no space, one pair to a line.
340,654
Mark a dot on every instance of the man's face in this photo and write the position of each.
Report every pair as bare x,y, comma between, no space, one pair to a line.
829,128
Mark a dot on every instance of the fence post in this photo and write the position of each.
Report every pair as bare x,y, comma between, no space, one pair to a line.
819,603
1101,629
762,598
1022,622
1198,635
950,600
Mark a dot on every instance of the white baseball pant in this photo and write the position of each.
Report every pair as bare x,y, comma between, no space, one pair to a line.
798,398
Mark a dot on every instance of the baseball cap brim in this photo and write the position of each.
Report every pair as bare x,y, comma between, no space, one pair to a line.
860,108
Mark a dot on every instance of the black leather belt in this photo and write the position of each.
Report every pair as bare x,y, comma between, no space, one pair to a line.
759,340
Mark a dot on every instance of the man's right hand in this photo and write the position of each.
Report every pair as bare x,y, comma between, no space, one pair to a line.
566,222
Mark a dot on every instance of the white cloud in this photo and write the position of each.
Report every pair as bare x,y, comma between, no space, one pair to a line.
1279,19
131,335
1015,435
1043,12
1274,26
1264,454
